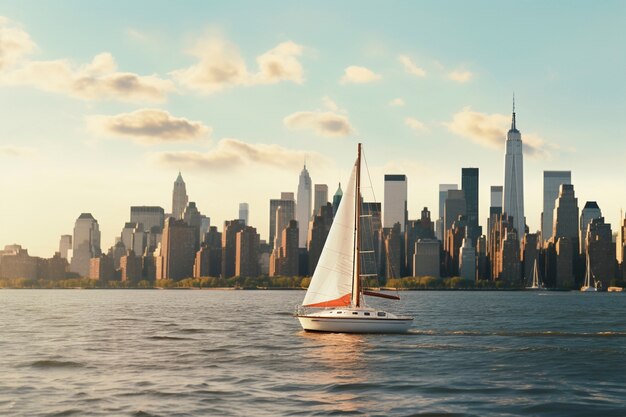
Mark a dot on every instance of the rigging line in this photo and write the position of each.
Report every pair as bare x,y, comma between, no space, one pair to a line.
369,177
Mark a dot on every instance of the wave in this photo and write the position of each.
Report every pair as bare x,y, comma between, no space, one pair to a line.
547,333
50,363
170,338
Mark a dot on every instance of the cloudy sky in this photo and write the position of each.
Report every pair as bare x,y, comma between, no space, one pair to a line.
103,103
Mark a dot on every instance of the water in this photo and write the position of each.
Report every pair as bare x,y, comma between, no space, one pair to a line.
205,353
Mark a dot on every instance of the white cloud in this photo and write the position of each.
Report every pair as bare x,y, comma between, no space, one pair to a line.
411,67
148,126
96,80
415,125
14,43
322,123
489,130
460,76
330,104
16,151
231,154
359,75
220,66
397,102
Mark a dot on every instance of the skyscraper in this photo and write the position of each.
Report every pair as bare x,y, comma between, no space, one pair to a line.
65,245
600,249
86,244
303,206
552,181
247,253
467,257
337,199
179,198
395,206
321,198
566,215
590,211
177,251
288,205
229,247
469,185
495,207
454,207
513,198
443,194
244,212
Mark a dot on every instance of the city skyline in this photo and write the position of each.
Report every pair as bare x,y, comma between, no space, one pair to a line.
424,109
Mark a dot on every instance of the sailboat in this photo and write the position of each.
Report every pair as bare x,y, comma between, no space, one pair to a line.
334,301
536,284
589,285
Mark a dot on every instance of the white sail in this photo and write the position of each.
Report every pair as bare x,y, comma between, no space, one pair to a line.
331,284
536,282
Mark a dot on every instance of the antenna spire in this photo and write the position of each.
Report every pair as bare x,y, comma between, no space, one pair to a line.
513,120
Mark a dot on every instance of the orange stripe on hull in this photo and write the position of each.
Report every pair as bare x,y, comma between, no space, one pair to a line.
338,302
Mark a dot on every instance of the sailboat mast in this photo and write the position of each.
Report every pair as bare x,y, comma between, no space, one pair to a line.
356,283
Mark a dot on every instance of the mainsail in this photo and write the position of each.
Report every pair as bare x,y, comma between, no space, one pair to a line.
331,284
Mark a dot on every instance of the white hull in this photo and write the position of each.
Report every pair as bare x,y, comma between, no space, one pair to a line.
345,321
588,289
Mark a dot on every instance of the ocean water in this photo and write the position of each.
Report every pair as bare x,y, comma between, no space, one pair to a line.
241,353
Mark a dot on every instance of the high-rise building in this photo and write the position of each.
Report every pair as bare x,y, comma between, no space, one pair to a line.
620,242
229,247
86,244
530,252
513,192
469,185
131,267
65,245
467,256
247,254
453,243
416,230
149,216
454,207
337,199
552,181
244,212
102,268
495,207
566,215
565,249
511,266
426,261
320,197
193,218
393,249
284,260
590,211
372,255
395,205
288,205
318,232
177,251
600,248
303,206
208,261
179,198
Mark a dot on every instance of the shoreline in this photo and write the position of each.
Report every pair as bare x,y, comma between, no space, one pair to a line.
296,289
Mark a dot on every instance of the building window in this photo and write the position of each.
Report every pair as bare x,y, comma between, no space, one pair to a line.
381,314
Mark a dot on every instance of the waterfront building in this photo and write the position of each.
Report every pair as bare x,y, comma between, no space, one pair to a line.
530,251
229,247
483,264
179,198
15,262
102,268
426,260
416,230
86,244
495,207
320,197
131,268
453,243
65,246
467,256
443,194
565,247
148,216
513,191
599,246
177,251
511,266
470,186
288,205
303,206
318,232
454,207
393,248
590,211
244,213
208,261
285,259
372,251
620,242
247,254
395,201
552,181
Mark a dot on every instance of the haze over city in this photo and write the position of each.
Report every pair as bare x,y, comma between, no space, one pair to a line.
102,110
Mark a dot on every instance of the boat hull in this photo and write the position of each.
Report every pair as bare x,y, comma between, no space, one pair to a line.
314,323
588,289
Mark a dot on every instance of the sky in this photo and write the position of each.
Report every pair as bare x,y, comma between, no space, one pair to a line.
104,102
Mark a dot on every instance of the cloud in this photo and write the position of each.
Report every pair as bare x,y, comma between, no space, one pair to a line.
220,66
410,66
322,123
96,80
14,43
231,154
16,151
489,130
330,104
148,126
359,75
397,102
415,125
460,76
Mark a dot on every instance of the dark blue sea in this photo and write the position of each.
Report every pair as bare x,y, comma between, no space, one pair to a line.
241,353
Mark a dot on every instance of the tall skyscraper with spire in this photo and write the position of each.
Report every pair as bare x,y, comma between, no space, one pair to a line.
179,198
513,193
303,206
